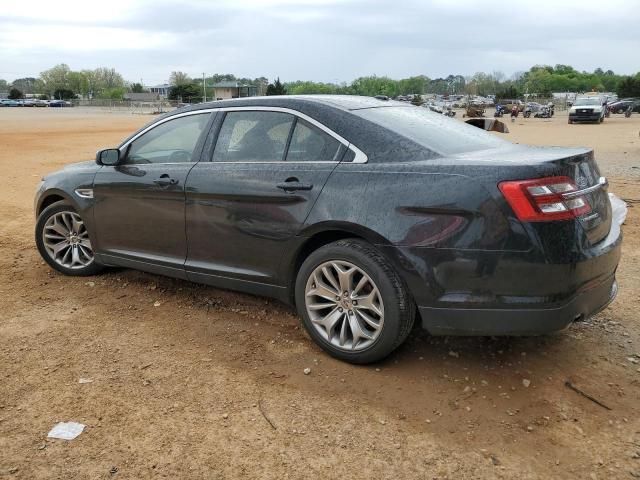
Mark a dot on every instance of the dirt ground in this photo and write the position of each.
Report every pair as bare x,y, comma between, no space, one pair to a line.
210,384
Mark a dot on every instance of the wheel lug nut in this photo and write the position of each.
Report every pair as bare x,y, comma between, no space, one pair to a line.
355,302
340,310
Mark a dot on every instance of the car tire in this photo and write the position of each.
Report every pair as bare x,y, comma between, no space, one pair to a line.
569,122
63,241
333,326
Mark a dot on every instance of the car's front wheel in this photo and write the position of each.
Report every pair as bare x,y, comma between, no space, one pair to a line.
352,302
63,241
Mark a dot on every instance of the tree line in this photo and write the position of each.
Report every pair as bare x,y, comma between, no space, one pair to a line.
60,82
63,83
540,80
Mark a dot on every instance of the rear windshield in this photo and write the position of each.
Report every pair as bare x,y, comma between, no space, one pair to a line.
434,131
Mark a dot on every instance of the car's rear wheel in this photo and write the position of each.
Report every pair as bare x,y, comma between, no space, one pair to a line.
63,241
352,302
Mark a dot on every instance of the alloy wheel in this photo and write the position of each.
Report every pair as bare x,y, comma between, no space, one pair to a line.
344,305
66,240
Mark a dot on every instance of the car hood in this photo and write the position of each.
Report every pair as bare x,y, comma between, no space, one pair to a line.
88,166
594,107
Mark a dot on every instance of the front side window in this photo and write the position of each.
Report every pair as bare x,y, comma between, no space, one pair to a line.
173,141
309,144
253,136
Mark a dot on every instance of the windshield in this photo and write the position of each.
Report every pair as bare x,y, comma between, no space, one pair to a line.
434,131
587,101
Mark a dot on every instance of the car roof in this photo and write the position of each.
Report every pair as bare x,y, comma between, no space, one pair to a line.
342,102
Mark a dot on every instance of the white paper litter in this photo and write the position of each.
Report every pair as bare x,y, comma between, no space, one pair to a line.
85,380
66,430
618,209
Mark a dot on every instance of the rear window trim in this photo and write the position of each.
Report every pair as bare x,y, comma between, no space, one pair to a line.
360,156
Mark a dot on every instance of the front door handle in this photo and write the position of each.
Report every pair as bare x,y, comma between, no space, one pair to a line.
165,180
292,184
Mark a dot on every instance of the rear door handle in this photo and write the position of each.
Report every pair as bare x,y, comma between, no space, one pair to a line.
293,186
165,180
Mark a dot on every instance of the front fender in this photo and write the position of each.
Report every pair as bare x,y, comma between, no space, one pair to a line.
63,186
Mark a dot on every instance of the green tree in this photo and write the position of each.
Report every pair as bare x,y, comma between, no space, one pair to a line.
78,82
190,92
508,92
413,85
306,87
276,88
453,84
63,94
4,85
15,94
107,78
629,86
564,69
179,78
539,81
55,78
113,93
25,85
137,88
374,85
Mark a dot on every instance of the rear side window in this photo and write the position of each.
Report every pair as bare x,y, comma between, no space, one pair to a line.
310,144
433,131
253,136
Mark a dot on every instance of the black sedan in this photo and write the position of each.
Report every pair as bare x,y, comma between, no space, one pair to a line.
621,106
367,214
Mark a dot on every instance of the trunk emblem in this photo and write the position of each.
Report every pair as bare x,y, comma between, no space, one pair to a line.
582,181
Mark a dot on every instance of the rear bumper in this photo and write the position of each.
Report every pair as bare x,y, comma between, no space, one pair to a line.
472,292
520,321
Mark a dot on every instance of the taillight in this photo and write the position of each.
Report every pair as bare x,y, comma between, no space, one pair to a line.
544,199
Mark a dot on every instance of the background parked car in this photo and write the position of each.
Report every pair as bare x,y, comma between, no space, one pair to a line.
587,109
59,103
10,103
509,103
621,105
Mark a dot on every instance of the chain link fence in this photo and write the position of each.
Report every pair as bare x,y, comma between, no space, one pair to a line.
159,106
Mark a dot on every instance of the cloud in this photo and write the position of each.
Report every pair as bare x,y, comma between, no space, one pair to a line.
325,40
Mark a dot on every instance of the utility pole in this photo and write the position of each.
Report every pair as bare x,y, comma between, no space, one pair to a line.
204,88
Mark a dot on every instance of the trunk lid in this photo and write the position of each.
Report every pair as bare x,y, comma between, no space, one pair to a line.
583,170
522,162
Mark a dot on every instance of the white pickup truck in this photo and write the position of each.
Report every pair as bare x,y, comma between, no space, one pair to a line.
587,109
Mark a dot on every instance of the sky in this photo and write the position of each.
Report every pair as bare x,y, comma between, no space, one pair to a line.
320,40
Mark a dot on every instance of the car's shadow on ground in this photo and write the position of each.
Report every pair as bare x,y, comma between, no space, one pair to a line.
420,350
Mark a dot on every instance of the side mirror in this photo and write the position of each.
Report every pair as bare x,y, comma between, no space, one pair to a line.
108,156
